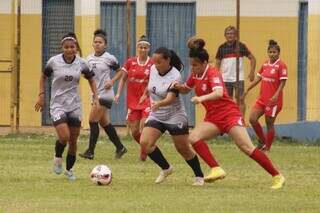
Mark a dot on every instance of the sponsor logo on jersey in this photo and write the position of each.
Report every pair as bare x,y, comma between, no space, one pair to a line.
284,72
204,87
216,80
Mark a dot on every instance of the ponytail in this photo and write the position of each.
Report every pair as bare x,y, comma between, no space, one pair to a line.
175,61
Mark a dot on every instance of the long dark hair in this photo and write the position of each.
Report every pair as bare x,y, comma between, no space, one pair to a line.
175,61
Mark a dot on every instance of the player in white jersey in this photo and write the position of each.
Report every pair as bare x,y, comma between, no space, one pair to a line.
167,113
65,105
102,64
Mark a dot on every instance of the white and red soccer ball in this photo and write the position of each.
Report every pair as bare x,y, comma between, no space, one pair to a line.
101,175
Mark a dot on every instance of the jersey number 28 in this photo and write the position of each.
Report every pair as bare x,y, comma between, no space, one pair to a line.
68,78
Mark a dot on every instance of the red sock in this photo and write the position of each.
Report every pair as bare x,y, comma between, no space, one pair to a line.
203,150
259,131
263,160
270,137
137,136
143,155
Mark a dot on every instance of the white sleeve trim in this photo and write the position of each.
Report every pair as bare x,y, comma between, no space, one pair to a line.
258,74
185,84
124,69
217,87
283,78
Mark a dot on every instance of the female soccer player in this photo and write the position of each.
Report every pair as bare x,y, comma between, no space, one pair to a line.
65,104
222,114
136,72
102,64
273,76
167,113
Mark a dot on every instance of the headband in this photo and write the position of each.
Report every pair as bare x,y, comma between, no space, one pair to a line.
68,38
144,42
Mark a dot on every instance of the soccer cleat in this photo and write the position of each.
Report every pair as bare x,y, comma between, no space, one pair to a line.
215,174
120,153
278,181
163,174
57,165
87,154
70,175
199,181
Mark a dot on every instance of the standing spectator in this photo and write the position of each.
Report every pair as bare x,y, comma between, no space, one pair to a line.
226,63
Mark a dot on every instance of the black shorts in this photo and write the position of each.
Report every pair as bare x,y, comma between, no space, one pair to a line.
105,103
73,119
231,86
174,129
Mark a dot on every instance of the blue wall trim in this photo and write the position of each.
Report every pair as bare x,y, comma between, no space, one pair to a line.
304,131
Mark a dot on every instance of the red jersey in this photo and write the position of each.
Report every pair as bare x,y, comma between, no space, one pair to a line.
210,80
271,75
137,81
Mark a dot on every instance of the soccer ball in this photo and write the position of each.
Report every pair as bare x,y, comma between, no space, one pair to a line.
101,175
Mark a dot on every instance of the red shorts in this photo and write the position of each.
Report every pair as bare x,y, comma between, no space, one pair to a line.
271,111
137,114
226,121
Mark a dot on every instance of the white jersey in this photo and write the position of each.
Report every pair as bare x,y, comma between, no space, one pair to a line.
159,87
65,82
102,66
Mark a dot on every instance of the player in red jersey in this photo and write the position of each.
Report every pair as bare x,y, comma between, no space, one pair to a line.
273,76
222,114
136,73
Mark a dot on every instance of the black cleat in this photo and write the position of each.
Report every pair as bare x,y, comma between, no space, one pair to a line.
87,154
120,153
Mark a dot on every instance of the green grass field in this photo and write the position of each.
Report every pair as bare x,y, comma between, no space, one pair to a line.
27,183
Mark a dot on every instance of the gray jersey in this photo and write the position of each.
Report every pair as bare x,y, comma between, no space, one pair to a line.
159,87
102,66
65,82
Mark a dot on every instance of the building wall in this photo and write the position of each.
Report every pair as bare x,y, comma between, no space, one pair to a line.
5,54
260,21
313,93
30,68
87,20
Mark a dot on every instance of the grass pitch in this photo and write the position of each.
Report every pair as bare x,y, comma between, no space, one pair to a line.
27,183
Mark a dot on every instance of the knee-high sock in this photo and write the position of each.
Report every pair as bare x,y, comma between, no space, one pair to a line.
136,136
113,136
195,166
71,159
270,137
203,150
94,134
259,132
59,148
159,159
263,160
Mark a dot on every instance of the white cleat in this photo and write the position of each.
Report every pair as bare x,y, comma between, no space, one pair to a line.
164,174
57,165
199,181
70,175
